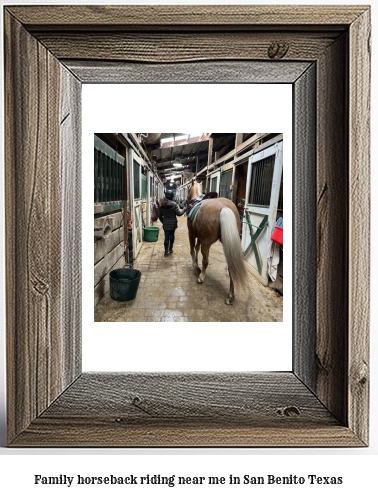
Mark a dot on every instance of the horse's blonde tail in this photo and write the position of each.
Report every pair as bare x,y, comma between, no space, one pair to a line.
232,248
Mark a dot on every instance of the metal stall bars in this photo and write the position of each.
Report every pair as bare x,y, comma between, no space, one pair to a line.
109,189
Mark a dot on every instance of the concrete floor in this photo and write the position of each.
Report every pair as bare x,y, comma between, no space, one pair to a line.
169,291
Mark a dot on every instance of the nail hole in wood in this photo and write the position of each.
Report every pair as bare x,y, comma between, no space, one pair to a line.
289,411
278,50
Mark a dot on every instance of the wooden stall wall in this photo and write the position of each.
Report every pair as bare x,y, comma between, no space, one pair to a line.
108,251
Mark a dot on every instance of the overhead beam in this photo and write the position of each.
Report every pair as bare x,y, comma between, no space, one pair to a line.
167,170
192,160
238,139
183,156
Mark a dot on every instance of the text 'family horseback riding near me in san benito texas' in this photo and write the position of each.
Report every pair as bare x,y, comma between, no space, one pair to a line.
175,480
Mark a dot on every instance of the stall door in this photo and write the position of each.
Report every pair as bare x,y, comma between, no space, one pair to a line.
139,184
260,214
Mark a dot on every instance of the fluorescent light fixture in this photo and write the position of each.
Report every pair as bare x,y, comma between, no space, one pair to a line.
182,137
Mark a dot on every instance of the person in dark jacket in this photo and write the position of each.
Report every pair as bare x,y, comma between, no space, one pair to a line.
168,212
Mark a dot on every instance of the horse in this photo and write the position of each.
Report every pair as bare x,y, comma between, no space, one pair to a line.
216,219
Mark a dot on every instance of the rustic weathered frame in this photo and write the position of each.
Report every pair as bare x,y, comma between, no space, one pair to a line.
49,52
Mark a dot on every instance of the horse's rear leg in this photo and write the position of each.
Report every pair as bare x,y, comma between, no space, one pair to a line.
205,262
198,244
231,295
192,241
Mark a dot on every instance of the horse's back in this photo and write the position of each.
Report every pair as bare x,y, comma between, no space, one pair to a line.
207,220
216,205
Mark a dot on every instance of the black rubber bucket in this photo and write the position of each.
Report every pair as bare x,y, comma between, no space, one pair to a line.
124,284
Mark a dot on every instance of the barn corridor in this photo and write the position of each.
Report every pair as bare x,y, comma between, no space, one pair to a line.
169,291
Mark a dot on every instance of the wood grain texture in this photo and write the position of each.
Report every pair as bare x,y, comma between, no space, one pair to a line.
34,237
32,192
321,405
70,160
193,409
200,72
184,16
331,351
304,224
181,47
242,397
97,432
359,226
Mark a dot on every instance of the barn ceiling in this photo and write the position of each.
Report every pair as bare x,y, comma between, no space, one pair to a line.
184,149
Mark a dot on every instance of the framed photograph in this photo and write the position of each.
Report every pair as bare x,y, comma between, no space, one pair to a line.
324,53
167,288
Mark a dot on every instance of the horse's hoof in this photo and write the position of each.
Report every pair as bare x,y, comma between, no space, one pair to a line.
200,280
228,301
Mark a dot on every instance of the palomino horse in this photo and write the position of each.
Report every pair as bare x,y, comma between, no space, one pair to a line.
217,219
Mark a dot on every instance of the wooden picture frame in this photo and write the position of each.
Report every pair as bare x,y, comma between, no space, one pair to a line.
324,52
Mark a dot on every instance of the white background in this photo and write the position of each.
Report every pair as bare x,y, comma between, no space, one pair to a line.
185,346
358,466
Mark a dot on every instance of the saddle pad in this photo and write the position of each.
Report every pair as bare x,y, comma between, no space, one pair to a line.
193,211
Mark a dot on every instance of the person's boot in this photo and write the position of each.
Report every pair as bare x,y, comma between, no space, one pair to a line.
170,246
166,249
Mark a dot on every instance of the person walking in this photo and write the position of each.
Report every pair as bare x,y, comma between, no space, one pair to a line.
168,212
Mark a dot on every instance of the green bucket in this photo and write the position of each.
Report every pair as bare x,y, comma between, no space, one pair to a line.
151,233
124,284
